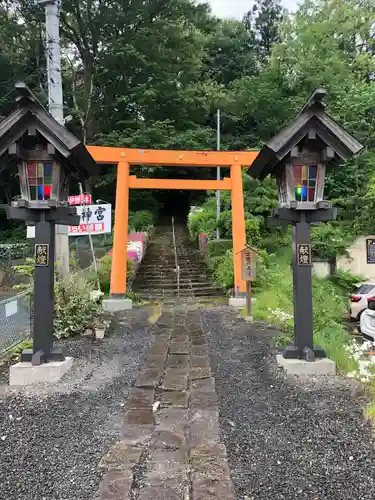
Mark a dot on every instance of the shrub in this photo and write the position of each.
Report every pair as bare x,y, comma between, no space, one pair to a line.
252,227
141,221
74,309
223,270
330,240
217,248
26,344
225,223
345,280
134,297
202,222
104,266
13,251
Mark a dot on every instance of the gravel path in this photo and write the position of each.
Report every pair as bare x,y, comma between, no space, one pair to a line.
53,437
286,438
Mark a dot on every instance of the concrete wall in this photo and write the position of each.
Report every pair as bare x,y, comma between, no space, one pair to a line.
321,269
358,263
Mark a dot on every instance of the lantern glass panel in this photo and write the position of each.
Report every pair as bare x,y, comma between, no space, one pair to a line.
40,180
31,170
305,182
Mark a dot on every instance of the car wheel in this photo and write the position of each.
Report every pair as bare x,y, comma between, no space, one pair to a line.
359,316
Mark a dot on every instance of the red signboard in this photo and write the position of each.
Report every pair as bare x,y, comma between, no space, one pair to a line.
94,228
80,199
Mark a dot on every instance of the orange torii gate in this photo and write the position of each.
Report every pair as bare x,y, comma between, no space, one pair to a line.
126,158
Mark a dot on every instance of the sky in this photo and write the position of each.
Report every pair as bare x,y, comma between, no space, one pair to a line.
237,8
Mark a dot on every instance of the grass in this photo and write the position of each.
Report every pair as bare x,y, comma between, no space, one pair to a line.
275,291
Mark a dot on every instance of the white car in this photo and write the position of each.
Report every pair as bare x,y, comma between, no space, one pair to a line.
358,300
367,324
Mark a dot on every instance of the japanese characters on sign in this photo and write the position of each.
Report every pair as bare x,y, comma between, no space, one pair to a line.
248,264
304,255
370,250
94,218
42,255
80,199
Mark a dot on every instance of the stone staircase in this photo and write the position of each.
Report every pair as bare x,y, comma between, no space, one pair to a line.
157,278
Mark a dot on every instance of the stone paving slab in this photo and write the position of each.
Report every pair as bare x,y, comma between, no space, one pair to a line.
180,347
168,468
200,372
163,439
202,361
140,399
162,493
204,427
199,350
175,379
159,348
177,399
121,456
207,384
178,361
115,485
173,448
155,361
139,417
172,419
149,378
203,400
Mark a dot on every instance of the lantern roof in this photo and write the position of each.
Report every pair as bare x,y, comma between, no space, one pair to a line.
312,122
30,117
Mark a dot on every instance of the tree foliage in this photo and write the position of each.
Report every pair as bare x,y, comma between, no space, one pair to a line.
152,73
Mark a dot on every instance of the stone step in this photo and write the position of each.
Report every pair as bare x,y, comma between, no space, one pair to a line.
172,284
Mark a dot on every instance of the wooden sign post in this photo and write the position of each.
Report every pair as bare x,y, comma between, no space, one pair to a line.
248,265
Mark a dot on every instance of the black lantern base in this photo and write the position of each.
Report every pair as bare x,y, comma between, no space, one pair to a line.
39,357
307,354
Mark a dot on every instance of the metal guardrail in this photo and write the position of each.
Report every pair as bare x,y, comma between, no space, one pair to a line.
15,321
175,259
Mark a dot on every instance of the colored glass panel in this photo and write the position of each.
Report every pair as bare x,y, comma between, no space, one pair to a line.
47,192
297,170
311,194
40,181
40,193
48,181
312,171
31,170
32,181
48,170
33,192
304,172
40,170
304,194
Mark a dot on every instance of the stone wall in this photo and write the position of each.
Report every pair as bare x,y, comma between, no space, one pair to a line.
358,262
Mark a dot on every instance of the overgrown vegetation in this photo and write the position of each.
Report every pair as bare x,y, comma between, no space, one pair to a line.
104,266
274,304
73,308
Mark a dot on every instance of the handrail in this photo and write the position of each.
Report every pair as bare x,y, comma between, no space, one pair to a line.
175,259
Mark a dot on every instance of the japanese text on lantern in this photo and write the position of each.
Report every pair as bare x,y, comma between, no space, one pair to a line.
41,255
248,264
304,255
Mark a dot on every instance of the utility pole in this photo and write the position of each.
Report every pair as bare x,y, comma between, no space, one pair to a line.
218,175
55,107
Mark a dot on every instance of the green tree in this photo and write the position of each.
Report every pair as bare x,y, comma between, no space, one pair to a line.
262,22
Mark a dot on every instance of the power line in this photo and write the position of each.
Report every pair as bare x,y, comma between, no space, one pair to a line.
34,73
